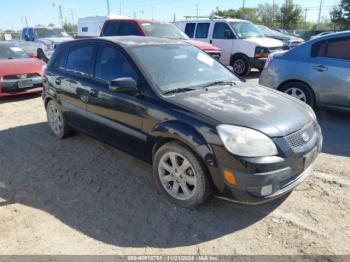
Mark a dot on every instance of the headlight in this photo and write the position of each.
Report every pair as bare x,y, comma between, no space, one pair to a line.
261,52
246,142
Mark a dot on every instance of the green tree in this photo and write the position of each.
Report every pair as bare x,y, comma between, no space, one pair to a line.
70,28
340,15
290,16
267,14
242,13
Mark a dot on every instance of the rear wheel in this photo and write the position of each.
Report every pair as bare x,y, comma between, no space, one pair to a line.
56,120
180,175
240,65
299,91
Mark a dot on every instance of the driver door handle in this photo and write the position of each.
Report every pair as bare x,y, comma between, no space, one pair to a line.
321,68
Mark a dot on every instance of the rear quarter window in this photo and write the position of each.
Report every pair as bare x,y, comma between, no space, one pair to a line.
122,29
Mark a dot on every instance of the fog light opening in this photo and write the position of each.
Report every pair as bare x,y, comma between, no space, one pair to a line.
230,177
266,190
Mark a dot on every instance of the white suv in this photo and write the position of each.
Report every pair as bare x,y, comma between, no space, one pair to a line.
243,45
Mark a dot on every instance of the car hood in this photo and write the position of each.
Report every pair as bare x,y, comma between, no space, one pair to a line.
265,42
203,45
256,107
21,66
55,40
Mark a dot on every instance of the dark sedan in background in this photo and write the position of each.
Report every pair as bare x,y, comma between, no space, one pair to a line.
176,107
289,41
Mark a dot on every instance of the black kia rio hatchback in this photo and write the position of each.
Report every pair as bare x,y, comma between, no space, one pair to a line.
170,104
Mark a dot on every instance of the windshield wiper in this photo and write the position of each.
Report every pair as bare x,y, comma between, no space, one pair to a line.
178,90
216,83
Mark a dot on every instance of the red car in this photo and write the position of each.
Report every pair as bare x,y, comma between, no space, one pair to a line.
19,73
119,27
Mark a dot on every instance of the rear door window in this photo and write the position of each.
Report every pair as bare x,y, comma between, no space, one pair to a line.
111,64
189,30
122,29
334,48
80,59
339,48
202,30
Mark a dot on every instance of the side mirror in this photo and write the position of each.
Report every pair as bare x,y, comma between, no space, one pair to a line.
228,34
123,85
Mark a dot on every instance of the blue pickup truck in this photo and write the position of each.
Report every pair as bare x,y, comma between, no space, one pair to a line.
41,41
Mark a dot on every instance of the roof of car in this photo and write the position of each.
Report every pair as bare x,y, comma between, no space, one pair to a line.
132,41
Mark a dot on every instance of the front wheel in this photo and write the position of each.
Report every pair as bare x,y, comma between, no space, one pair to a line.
241,65
180,175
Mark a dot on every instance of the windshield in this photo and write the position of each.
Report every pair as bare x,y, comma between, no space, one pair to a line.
50,32
246,30
163,30
11,52
180,66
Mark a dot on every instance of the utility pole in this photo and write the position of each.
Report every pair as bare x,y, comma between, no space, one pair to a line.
243,4
60,14
25,19
273,13
72,14
120,7
108,8
197,10
305,18
319,16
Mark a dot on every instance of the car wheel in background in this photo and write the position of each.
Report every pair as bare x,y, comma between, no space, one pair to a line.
56,120
240,65
299,91
180,175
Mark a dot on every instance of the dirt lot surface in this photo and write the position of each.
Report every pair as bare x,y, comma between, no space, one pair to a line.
79,196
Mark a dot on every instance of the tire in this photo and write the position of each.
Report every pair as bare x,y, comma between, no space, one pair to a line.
56,120
241,65
42,56
299,91
186,186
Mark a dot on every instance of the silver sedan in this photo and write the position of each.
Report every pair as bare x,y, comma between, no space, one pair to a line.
316,72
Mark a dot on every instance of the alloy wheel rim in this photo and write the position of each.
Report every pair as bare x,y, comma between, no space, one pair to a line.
55,119
177,176
239,66
296,93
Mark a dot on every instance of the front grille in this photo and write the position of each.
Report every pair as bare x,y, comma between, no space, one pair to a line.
298,139
20,76
215,55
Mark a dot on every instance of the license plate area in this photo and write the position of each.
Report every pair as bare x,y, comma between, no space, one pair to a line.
25,84
310,158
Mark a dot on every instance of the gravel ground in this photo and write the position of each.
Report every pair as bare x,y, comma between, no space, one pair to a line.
79,196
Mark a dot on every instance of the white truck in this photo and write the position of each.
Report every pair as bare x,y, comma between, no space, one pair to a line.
41,41
243,46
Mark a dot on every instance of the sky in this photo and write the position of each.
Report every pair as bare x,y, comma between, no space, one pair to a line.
13,13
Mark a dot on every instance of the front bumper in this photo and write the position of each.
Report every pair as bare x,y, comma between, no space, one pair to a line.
257,63
11,87
263,179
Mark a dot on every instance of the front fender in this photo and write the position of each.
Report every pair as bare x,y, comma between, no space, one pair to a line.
188,135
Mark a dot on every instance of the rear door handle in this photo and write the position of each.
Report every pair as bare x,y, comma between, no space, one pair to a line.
321,68
58,81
